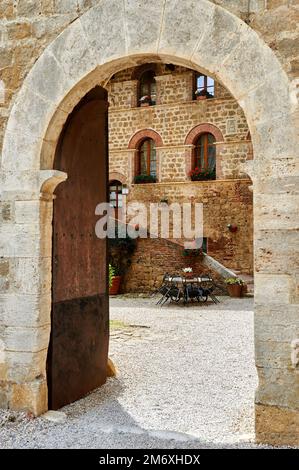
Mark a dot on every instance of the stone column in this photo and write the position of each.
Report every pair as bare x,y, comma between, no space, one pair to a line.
276,306
25,300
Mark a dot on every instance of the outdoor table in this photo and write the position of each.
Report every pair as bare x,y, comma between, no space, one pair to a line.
184,282
186,279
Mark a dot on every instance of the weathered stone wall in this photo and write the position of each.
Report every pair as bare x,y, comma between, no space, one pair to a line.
174,116
174,88
174,121
173,166
123,94
28,26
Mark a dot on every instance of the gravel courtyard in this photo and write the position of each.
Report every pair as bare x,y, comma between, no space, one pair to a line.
186,379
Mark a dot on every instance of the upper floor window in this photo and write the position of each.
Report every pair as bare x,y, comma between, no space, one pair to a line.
147,88
204,161
204,87
147,161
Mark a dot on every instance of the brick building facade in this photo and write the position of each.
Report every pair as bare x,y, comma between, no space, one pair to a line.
175,122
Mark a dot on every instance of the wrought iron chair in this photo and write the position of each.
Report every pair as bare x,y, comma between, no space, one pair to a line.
208,286
194,291
171,291
160,289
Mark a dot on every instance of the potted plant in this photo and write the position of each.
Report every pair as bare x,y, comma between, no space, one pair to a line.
164,200
143,179
145,100
115,276
201,174
111,274
235,286
187,272
121,249
202,94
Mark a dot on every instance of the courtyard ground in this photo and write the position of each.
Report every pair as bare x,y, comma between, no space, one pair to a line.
186,379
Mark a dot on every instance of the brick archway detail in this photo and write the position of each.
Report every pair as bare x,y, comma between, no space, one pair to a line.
145,134
203,129
116,176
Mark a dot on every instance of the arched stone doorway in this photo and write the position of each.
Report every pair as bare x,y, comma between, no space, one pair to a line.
104,40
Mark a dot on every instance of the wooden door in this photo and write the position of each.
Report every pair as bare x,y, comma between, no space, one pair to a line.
78,352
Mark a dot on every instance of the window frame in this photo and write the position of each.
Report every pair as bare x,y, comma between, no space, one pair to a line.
148,140
118,184
205,87
197,152
149,84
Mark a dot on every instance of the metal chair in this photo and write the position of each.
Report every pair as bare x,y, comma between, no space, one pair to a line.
171,291
162,285
208,285
194,291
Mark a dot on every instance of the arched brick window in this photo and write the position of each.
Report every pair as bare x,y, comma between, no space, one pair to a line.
145,75
145,143
203,139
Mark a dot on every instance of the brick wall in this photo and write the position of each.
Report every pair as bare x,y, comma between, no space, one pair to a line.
151,260
224,202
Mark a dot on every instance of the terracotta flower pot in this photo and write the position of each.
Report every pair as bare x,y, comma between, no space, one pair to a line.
188,275
235,290
114,289
201,97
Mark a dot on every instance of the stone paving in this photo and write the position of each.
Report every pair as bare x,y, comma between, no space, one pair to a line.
186,379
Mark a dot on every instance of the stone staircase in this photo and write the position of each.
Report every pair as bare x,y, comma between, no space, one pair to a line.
224,272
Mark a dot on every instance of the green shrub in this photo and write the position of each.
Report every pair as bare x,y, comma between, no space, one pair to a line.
234,280
111,274
141,179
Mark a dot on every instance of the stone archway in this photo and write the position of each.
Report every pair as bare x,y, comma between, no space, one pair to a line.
107,38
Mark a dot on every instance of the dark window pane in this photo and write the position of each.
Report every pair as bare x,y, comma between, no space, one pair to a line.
211,139
205,152
143,158
148,85
147,156
211,157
